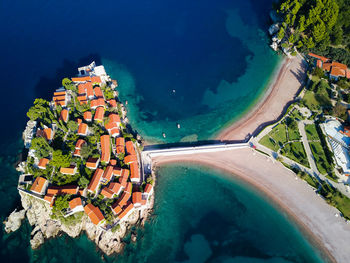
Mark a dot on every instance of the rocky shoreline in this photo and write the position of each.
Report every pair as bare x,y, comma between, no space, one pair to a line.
38,214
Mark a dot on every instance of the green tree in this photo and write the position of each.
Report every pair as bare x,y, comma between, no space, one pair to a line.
72,125
60,160
86,150
83,182
61,203
41,147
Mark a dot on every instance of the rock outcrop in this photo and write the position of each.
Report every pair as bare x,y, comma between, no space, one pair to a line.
14,221
38,214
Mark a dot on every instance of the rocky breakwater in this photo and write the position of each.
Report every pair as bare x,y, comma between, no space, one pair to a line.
38,214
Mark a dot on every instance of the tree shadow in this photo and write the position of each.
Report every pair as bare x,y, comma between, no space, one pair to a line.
68,69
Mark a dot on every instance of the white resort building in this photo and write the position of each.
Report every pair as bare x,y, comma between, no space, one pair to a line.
339,142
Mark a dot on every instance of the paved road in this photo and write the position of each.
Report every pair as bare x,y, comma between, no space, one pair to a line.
310,156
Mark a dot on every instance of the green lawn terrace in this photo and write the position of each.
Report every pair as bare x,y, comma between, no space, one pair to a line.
82,156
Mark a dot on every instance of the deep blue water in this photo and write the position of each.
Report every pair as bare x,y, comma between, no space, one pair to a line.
214,54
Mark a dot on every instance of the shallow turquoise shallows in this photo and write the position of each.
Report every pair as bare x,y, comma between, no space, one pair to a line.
199,64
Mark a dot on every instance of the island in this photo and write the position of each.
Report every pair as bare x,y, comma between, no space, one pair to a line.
82,170
86,170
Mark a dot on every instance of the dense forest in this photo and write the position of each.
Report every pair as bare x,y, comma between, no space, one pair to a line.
320,26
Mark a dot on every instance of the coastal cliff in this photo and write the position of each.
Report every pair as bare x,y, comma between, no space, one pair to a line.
38,214
83,171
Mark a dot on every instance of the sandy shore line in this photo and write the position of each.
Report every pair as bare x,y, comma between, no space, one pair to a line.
270,107
314,216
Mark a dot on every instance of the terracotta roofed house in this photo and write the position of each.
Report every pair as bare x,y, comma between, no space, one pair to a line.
79,144
98,93
130,159
64,115
137,199
66,189
81,79
72,169
87,116
135,173
120,145
89,90
99,114
76,205
39,186
94,213
95,181
124,199
116,209
108,174
50,199
115,187
148,189
42,163
83,129
105,148
113,103
117,171
92,163
130,148
126,212
107,192
96,79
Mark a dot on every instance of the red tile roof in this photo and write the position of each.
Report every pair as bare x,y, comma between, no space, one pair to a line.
130,159
99,114
68,170
337,72
94,213
124,199
120,145
107,192
49,198
128,188
82,129
66,189
113,103
43,162
135,172
95,79
108,173
324,59
105,148
81,79
87,115
92,162
130,148
137,197
126,211
116,209
64,115
38,185
95,180
75,202
79,144
117,171
77,153
115,187
148,188
98,92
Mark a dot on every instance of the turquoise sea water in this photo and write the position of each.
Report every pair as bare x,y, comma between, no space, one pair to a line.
214,54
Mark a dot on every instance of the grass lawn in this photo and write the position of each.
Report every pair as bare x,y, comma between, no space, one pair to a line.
343,204
293,133
275,138
296,152
279,133
310,100
269,143
320,158
311,132
296,115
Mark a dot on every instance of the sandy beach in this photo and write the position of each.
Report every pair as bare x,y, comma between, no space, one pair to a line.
282,91
314,216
